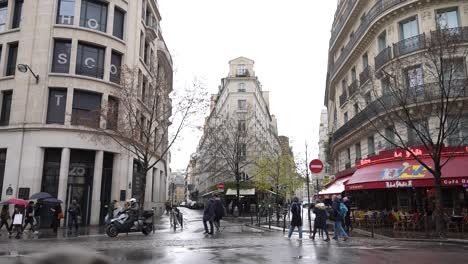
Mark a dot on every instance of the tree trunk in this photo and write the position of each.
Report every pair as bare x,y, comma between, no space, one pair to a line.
238,194
439,209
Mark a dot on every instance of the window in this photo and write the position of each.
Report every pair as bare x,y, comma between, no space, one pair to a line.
241,87
6,107
390,137
144,89
382,41
112,113
454,69
348,158
353,74
386,87
142,127
370,146
242,151
241,126
61,60
86,108
142,44
3,15
414,78
459,136
365,61
356,108
242,105
345,116
409,28
146,53
17,14
420,129
90,61
343,87
357,148
119,23
93,15
3,153
447,18
66,12
56,106
242,70
368,98
12,55
116,64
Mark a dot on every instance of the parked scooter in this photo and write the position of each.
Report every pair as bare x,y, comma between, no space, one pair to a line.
122,223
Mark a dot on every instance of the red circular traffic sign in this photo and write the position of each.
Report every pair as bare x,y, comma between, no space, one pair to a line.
221,185
316,166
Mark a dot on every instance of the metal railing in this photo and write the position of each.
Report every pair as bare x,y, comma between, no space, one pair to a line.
408,96
343,99
364,76
379,7
382,58
341,20
458,34
409,45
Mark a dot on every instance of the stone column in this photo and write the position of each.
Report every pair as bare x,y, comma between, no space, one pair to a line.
97,180
116,175
63,178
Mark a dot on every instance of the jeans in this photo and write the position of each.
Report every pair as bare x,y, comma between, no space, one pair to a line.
206,226
73,222
339,229
291,229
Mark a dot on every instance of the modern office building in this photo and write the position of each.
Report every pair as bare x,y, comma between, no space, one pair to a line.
71,53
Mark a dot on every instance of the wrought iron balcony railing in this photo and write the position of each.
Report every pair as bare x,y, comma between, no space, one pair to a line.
343,99
382,58
409,45
364,76
353,88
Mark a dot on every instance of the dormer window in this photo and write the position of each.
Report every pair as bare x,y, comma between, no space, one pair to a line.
241,70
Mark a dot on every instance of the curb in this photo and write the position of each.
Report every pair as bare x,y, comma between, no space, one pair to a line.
446,241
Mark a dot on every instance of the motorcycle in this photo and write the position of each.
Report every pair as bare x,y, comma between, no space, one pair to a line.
122,224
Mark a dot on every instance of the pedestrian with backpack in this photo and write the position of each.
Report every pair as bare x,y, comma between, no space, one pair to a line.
340,210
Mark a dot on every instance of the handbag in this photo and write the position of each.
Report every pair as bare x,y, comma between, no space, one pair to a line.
60,216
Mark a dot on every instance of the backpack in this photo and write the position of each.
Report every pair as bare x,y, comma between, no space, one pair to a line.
343,210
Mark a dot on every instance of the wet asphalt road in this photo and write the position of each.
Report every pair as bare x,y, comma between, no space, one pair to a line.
238,244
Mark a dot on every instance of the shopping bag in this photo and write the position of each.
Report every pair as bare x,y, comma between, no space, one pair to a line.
18,220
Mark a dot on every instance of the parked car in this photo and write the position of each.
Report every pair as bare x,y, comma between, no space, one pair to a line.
183,204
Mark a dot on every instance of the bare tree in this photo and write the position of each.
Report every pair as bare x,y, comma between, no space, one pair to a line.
139,115
421,102
231,145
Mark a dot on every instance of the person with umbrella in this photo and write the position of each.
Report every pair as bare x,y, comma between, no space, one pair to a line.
4,217
320,222
57,215
29,217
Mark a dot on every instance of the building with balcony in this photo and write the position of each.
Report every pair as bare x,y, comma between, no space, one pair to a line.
367,39
76,49
242,101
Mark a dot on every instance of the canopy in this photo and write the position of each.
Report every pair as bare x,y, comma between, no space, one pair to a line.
335,187
241,192
407,174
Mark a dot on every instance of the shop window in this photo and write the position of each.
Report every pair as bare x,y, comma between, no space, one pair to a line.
61,60
7,97
56,106
3,153
86,109
17,14
3,15
115,68
66,12
51,171
112,113
119,23
90,61
93,15
12,55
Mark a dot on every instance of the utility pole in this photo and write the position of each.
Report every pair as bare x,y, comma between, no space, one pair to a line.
308,188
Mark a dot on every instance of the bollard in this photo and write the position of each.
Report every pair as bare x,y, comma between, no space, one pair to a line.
284,223
269,217
251,218
372,234
153,221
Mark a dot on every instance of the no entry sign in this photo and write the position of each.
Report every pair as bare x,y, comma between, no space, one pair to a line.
316,166
221,186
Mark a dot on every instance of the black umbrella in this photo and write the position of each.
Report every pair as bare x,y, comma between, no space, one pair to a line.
40,195
52,200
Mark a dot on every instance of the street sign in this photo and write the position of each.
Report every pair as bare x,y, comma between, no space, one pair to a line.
221,186
316,166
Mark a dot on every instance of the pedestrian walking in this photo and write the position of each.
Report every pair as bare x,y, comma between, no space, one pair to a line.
4,217
209,215
57,215
219,211
348,223
296,220
74,212
29,217
320,222
340,210
17,224
37,215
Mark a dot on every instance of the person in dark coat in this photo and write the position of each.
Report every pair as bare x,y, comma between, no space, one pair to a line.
57,215
209,215
338,220
296,218
73,213
219,211
347,220
37,214
4,217
29,216
320,222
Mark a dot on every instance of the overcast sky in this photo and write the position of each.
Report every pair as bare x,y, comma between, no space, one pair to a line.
288,40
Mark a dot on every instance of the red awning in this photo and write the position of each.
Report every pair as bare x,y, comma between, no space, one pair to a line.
408,173
334,188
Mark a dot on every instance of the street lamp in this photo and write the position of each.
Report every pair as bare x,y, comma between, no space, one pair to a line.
24,68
